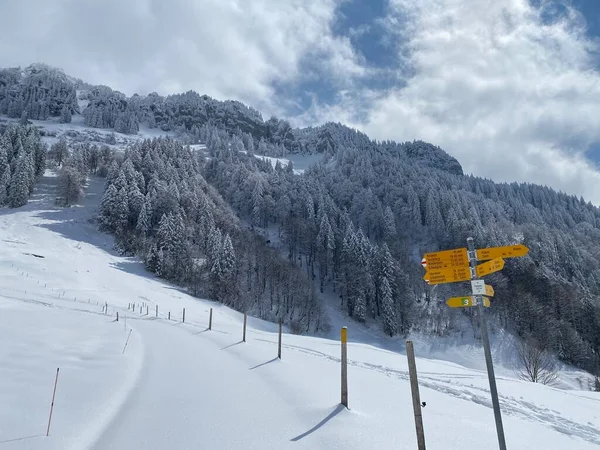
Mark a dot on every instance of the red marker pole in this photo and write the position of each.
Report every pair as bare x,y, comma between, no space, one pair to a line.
52,404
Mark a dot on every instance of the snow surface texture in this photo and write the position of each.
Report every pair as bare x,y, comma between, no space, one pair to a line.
180,386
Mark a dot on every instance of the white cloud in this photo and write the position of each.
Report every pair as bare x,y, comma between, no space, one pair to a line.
226,48
510,90
511,96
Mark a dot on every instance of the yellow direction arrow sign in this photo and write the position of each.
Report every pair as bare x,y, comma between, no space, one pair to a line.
510,251
489,290
446,260
462,302
492,266
448,275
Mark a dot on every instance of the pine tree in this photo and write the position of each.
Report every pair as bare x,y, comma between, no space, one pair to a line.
108,207
389,224
143,221
387,307
227,258
136,203
257,203
4,186
19,187
65,114
40,157
121,213
3,158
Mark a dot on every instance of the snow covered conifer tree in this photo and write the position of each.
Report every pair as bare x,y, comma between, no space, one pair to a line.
143,221
4,185
65,114
389,223
387,307
108,207
19,188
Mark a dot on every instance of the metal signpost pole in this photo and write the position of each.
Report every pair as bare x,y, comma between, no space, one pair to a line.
486,348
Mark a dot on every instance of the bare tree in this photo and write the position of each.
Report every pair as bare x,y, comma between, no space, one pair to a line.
69,186
535,364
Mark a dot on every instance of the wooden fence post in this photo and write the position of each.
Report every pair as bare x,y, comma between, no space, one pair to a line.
156,310
245,320
414,387
279,343
52,404
146,309
210,320
183,315
344,367
169,315
117,316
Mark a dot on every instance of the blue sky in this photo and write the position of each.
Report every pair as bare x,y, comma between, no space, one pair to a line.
511,88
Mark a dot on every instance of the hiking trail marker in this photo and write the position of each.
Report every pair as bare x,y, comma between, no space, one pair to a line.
460,264
463,302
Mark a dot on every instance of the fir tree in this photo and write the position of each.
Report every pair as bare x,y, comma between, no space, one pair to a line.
19,187
65,114
387,307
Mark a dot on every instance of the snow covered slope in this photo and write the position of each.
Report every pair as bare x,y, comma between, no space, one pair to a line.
180,386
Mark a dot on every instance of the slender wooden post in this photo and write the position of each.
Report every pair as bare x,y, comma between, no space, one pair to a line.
169,315
52,404
345,367
416,398
210,320
127,341
156,310
146,309
279,343
245,320
117,316
183,315
140,309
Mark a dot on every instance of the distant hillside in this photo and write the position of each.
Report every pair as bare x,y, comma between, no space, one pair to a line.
41,92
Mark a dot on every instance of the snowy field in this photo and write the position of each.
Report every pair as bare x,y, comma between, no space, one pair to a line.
180,386
77,131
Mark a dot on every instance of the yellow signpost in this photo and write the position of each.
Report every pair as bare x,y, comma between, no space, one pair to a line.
510,251
460,264
447,259
448,275
495,265
462,302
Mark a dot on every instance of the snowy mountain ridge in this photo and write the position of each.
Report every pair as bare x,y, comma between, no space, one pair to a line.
187,113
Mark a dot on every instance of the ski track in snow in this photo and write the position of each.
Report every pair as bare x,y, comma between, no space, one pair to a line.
509,405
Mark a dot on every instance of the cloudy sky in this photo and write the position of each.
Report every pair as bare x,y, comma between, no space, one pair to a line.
509,87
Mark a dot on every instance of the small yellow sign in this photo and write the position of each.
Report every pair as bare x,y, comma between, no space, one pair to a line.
463,302
448,275
459,302
495,265
489,290
510,251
